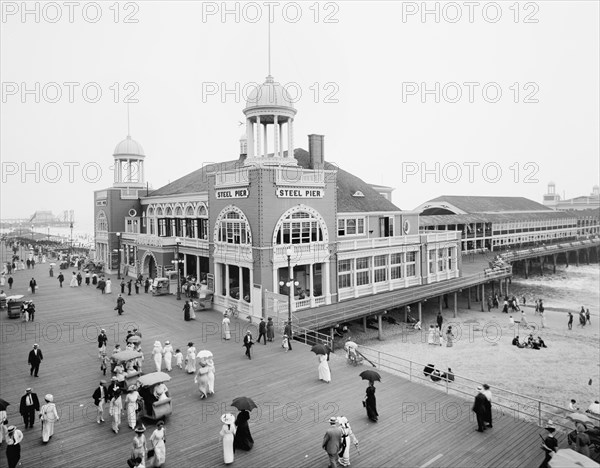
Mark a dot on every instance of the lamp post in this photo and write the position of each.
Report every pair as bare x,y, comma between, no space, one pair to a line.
32,233
71,246
290,283
48,233
176,262
119,255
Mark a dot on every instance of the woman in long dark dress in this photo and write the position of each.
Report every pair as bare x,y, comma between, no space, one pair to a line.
242,439
371,403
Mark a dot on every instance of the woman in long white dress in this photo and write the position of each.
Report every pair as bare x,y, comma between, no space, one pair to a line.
324,372
115,410
168,355
202,378
131,406
190,359
157,355
347,438
108,287
211,376
431,335
48,416
73,283
157,441
226,332
227,433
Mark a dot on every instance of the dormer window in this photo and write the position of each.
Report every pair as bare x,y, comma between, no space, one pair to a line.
358,194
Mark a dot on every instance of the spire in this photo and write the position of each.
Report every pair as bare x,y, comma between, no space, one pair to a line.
269,42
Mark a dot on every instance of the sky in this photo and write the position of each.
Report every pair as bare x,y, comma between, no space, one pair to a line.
430,98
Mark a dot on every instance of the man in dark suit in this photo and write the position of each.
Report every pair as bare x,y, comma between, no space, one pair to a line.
100,397
35,357
479,408
332,441
248,343
102,338
29,405
262,331
288,331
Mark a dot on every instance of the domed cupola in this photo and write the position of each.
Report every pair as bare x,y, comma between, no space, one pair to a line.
129,164
269,107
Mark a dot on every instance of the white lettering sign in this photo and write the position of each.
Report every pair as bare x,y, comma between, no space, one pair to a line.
299,192
232,193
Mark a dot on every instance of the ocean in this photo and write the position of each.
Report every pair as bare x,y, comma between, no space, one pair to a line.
567,289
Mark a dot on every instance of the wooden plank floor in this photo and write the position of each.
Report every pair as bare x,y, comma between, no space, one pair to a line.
417,424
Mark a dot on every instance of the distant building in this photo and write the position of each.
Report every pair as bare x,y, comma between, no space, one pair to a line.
47,218
584,202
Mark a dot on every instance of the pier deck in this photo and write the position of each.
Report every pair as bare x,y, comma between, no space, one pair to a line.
419,425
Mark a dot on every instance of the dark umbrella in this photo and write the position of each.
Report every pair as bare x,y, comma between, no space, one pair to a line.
370,375
243,403
319,349
3,404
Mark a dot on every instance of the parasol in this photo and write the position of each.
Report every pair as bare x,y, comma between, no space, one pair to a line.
370,375
319,349
126,355
579,418
350,344
153,378
53,264
228,418
3,404
567,458
134,339
243,403
204,354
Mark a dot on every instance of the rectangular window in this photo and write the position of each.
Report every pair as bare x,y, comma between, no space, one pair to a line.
396,261
162,227
380,268
363,272
351,226
360,227
431,261
341,227
362,278
345,273
411,264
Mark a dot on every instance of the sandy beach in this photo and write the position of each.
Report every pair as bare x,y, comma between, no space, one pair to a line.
483,351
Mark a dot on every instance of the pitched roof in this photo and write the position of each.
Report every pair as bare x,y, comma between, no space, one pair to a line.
441,220
347,185
482,204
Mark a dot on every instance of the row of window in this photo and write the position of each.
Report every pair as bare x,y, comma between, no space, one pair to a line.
180,227
351,226
443,258
376,269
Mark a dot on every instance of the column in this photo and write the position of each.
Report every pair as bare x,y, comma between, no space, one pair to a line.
275,136
226,279
290,137
379,328
266,141
468,298
198,268
258,138
526,268
275,280
500,287
281,140
482,295
241,283
420,308
455,304
506,280
250,137
129,170
184,265
141,179
440,299
326,280
364,321
311,285
406,314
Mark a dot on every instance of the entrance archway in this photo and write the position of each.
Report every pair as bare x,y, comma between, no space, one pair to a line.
149,265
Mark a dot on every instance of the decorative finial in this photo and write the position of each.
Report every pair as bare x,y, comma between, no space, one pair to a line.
269,28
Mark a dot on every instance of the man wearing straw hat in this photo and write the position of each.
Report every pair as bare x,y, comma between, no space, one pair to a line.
29,405
332,441
100,397
13,446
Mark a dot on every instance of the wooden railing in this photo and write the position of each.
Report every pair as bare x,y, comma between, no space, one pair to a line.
512,404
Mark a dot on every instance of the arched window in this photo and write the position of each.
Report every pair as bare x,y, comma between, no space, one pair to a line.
232,227
189,212
303,225
150,212
101,222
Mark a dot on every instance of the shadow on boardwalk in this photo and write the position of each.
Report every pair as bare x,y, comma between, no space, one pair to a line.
418,425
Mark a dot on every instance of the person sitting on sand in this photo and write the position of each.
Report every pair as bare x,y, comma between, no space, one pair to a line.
436,375
541,342
515,341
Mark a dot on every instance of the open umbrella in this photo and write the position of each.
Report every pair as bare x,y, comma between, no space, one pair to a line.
579,418
204,354
134,339
153,378
350,344
243,403
53,264
3,404
370,375
567,458
126,355
319,349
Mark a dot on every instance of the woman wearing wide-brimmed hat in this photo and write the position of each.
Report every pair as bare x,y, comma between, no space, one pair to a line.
131,405
190,359
48,416
116,409
168,355
139,443
157,440
550,444
347,438
157,355
13,446
228,433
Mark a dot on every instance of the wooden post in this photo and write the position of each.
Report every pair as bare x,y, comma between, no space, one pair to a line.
469,298
332,336
587,255
379,328
455,304
577,257
553,263
405,314
440,299
507,283
365,324
420,307
567,257
542,266
482,295
526,269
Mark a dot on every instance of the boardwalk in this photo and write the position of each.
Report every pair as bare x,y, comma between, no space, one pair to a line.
419,425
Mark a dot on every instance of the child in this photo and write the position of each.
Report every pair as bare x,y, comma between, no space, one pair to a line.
285,344
104,363
178,358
